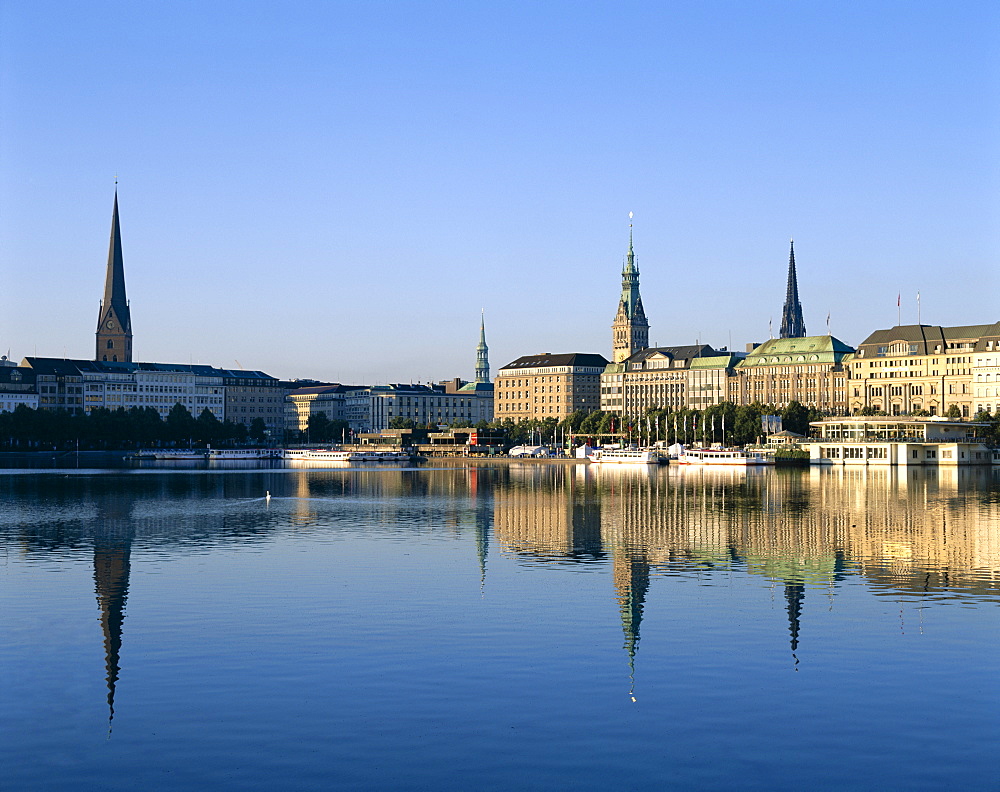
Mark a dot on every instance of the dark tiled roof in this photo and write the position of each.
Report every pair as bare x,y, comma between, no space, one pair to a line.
992,334
17,376
675,352
547,359
72,367
926,335
320,389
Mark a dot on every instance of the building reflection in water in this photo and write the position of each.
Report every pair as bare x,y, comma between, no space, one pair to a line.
912,534
114,532
908,532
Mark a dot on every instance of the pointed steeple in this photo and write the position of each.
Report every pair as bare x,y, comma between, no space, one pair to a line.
114,321
482,353
792,323
795,593
112,552
631,580
630,331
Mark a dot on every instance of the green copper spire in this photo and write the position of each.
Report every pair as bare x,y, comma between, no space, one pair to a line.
630,331
482,353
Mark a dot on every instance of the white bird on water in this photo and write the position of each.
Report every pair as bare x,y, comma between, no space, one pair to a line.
267,496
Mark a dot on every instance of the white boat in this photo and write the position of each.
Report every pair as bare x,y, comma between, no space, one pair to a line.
235,454
529,451
180,453
723,456
320,455
626,456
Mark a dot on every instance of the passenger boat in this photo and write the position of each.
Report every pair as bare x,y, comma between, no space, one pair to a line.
627,456
723,456
320,455
236,454
179,453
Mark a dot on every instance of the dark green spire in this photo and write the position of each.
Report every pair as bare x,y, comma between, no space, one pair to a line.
792,323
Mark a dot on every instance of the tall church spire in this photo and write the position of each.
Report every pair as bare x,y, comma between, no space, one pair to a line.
114,322
630,331
482,354
792,323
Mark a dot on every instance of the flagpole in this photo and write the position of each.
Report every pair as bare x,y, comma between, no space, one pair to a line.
899,303
918,308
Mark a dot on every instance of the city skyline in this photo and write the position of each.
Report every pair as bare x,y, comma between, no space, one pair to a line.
344,192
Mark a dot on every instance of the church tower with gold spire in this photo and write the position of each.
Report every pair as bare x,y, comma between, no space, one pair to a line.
630,331
114,322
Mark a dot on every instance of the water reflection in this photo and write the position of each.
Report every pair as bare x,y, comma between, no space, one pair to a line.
113,535
919,534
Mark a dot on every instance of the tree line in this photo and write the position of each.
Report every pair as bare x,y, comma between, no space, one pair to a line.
26,429
721,423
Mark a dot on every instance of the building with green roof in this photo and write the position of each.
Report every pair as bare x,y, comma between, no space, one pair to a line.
811,370
693,376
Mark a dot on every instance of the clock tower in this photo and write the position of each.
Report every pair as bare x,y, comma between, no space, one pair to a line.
114,322
630,331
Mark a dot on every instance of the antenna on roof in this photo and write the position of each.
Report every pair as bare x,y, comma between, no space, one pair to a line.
239,364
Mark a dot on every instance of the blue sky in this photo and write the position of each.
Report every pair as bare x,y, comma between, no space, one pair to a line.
335,190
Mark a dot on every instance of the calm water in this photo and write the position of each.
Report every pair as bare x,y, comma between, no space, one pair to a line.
514,626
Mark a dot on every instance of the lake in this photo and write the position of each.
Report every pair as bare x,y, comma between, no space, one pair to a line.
499,626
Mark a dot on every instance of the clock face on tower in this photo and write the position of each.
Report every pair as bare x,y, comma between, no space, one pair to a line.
110,324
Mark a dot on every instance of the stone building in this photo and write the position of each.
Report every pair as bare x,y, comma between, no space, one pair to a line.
329,399
372,409
909,368
986,372
17,386
695,376
254,394
84,385
810,370
549,386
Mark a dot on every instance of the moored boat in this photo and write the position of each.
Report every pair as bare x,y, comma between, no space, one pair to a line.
320,455
627,456
179,453
235,454
723,456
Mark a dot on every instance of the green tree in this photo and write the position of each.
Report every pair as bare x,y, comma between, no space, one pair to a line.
795,417
180,426
208,428
953,412
591,423
258,430
319,430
